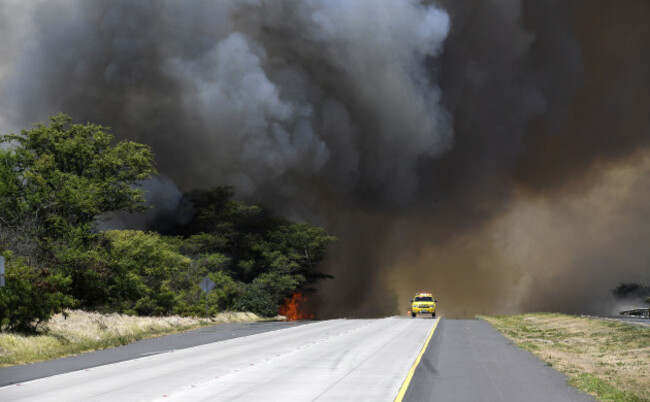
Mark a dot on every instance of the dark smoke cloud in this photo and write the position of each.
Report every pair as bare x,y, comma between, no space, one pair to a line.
608,119
421,133
167,209
548,99
248,92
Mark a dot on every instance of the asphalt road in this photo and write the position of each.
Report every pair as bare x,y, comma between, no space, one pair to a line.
336,360
333,360
468,360
145,347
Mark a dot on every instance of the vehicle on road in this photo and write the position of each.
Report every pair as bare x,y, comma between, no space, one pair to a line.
423,303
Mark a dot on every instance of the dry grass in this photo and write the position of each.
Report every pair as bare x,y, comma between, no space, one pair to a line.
609,360
80,331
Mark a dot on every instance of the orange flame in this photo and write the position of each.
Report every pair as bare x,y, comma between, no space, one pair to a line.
291,308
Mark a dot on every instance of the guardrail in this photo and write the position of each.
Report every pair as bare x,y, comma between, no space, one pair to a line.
639,312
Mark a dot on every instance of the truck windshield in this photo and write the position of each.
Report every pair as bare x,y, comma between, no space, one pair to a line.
424,299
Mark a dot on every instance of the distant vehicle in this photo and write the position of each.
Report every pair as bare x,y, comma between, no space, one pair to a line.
423,303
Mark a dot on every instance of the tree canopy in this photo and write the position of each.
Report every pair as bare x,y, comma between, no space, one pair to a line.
60,176
56,179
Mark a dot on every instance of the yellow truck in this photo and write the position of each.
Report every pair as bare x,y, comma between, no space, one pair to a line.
423,303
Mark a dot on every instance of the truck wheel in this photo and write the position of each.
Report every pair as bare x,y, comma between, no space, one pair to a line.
412,315
433,315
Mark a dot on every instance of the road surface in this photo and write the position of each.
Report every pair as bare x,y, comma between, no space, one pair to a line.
145,347
467,360
336,360
327,361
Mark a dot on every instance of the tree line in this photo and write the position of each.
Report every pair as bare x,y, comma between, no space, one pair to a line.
57,179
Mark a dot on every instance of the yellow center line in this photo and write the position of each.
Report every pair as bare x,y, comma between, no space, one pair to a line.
407,381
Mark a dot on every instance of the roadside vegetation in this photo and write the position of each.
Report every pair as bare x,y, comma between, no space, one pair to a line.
609,360
77,331
58,179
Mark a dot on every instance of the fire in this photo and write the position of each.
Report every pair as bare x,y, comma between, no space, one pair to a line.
291,308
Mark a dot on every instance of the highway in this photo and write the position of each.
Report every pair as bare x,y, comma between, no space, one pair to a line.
145,347
334,360
467,360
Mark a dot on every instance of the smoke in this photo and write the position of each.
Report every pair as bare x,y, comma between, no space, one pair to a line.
561,254
167,209
630,296
465,148
247,93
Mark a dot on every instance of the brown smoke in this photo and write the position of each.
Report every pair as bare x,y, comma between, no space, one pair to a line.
559,254
558,222
493,152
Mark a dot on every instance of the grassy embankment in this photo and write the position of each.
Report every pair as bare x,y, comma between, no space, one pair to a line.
84,332
606,359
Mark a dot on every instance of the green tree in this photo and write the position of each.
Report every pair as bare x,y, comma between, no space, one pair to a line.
278,285
256,300
55,179
295,248
144,272
255,242
58,177
217,213
31,295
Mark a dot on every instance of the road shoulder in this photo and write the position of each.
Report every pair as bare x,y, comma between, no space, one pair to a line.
469,360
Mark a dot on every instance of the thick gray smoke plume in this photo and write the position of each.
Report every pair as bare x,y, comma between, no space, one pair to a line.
248,92
421,133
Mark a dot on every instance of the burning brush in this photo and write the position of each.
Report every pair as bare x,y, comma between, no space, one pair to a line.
290,308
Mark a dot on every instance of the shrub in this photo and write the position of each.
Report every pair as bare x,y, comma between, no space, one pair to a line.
256,301
31,295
